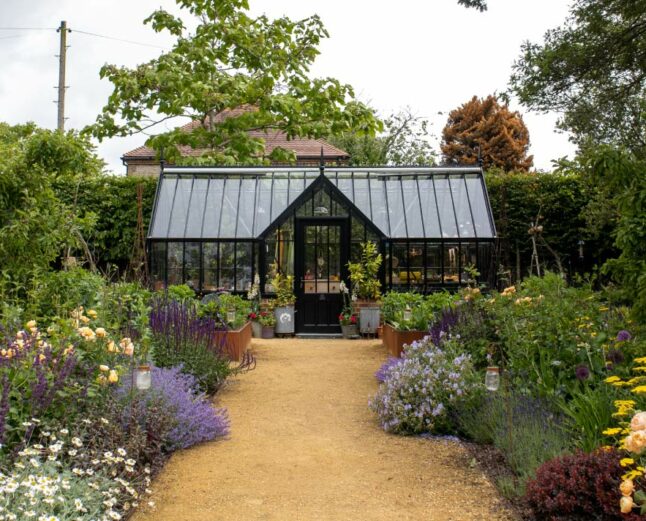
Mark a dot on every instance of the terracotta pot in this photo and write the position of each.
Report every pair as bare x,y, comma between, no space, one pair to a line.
395,340
267,332
235,341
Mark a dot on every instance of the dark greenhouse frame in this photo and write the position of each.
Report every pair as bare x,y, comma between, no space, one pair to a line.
217,227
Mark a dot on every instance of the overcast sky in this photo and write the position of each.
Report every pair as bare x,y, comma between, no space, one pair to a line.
429,55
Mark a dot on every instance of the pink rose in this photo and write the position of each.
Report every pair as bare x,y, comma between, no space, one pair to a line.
638,423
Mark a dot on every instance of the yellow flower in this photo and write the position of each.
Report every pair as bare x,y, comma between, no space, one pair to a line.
639,369
100,332
84,319
640,389
632,474
111,347
624,462
612,432
626,504
31,324
113,378
91,313
641,360
41,357
612,379
104,368
603,308
627,487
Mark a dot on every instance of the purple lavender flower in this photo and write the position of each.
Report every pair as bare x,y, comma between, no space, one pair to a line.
582,372
382,373
623,336
196,420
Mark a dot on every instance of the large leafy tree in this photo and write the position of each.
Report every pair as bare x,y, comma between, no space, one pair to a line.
404,141
231,61
35,226
484,128
592,69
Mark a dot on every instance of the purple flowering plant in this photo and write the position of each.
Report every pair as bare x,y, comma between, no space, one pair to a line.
419,391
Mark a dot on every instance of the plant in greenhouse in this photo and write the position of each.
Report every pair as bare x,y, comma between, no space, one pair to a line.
284,289
364,275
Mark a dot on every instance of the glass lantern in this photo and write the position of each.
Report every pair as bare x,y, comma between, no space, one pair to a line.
143,379
231,316
408,314
492,378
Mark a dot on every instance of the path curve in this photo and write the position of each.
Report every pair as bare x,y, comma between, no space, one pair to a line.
304,446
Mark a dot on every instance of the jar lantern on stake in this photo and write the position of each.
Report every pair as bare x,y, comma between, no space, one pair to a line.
408,314
143,379
231,316
492,378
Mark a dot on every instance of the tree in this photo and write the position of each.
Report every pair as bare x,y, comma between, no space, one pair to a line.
35,226
592,70
483,126
404,141
231,61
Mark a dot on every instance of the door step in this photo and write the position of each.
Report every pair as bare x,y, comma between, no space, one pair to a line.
319,335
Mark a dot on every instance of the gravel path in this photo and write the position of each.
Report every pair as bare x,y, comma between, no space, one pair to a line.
305,447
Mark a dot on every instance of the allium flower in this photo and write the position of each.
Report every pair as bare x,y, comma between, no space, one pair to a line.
615,356
623,336
582,372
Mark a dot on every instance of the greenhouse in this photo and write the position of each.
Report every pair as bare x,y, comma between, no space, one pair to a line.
216,228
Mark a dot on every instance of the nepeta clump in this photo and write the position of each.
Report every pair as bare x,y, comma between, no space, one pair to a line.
419,393
193,419
382,373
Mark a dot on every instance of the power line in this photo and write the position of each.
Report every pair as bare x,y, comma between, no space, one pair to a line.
117,39
27,28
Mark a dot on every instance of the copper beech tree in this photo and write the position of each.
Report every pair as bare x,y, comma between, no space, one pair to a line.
485,127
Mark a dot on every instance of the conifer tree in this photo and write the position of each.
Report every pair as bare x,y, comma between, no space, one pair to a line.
485,125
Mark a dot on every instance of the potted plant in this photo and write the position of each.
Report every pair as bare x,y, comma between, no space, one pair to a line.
366,287
232,312
267,321
284,303
348,318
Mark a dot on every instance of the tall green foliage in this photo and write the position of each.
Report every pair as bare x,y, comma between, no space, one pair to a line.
364,275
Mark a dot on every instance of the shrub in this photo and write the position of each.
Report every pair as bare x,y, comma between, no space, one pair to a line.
180,293
419,393
423,309
581,486
124,307
181,337
364,274
218,310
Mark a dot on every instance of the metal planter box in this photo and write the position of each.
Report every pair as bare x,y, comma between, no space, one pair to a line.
369,317
284,320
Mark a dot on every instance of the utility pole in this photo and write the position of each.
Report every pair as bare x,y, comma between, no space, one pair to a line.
61,76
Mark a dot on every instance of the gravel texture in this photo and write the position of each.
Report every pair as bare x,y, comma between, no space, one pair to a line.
305,446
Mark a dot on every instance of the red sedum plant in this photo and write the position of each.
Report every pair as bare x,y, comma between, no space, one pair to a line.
580,486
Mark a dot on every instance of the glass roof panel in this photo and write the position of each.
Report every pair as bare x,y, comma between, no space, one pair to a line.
279,199
196,208
229,216
429,208
263,208
180,208
461,204
445,206
379,207
412,208
362,197
396,208
212,212
164,204
246,208
296,188
479,206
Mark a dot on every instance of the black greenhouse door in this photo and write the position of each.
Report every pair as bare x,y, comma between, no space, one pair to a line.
320,266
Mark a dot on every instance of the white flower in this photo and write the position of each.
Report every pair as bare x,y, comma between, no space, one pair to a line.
77,442
121,452
64,431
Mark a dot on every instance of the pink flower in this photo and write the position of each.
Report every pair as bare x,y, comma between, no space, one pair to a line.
636,442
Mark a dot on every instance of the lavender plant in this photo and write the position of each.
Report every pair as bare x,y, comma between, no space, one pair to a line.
181,337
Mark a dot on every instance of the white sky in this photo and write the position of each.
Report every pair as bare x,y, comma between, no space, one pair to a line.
429,55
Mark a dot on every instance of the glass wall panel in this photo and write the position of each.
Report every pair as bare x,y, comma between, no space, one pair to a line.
469,252
246,208
192,265
399,261
271,263
416,266
461,205
210,266
451,263
307,208
180,207
445,204
433,263
229,208
388,265
322,204
412,208
479,206
263,211
244,264
158,264
175,263
396,208
227,266
164,207
196,208
213,209
429,208
379,207
485,261
345,186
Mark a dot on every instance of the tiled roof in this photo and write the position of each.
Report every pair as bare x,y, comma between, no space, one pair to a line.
302,147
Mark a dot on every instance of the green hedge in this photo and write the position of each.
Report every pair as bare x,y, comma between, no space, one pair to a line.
515,199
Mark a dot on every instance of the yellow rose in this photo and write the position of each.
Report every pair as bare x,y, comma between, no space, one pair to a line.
31,324
42,358
627,487
100,332
635,442
104,368
91,313
84,319
113,377
111,348
127,346
626,504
